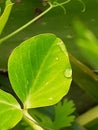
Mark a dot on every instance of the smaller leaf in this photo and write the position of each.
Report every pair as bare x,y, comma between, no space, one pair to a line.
4,17
63,117
87,43
10,111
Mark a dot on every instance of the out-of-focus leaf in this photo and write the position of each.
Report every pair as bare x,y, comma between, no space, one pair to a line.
4,17
85,78
40,71
88,117
1,1
92,125
10,111
87,43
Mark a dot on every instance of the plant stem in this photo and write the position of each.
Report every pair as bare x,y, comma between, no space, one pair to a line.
84,7
33,20
60,4
26,25
88,116
27,117
83,67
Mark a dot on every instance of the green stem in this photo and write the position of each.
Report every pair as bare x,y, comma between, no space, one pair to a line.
27,117
33,20
84,7
88,116
83,67
60,4
26,25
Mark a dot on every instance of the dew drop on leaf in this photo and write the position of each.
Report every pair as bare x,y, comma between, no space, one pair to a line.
68,73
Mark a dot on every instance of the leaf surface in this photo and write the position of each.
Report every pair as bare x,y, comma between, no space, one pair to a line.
39,71
10,111
63,117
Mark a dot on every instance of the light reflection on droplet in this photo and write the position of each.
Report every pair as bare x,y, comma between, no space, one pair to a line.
68,73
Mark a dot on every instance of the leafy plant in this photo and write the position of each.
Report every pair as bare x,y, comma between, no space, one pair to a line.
37,68
32,81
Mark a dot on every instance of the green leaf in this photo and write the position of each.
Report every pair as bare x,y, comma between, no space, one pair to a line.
10,111
4,17
87,43
39,71
63,117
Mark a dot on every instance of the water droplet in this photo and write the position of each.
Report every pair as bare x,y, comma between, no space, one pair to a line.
68,73
57,58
